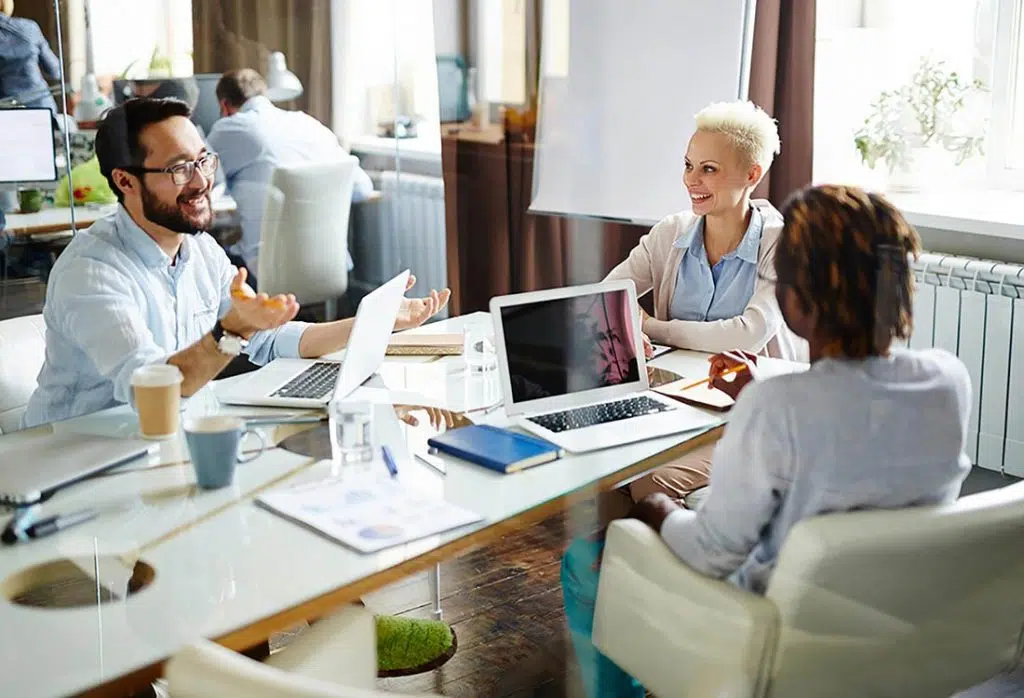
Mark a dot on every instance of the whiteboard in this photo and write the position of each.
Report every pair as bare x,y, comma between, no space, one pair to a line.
621,81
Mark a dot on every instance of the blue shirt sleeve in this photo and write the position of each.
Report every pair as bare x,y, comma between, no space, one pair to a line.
362,187
48,60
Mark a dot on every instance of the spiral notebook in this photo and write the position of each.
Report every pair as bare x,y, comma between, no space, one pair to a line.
702,395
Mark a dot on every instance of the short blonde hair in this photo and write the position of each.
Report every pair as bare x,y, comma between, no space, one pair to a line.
753,133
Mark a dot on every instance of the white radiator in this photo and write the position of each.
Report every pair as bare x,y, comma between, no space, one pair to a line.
975,309
404,229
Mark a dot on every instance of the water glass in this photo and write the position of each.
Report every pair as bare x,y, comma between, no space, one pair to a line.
351,430
478,346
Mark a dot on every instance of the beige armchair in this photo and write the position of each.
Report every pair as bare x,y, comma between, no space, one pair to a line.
916,602
334,658
22,350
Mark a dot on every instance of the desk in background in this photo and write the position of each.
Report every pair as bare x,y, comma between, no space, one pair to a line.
229,570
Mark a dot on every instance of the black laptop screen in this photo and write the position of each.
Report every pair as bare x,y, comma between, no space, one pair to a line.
569,345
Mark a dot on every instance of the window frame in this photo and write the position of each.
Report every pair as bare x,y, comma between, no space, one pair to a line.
1007,53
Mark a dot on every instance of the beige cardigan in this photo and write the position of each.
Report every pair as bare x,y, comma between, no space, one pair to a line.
654,265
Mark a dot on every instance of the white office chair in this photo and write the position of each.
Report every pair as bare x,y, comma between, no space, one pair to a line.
22,350
916,602
335,658
304,238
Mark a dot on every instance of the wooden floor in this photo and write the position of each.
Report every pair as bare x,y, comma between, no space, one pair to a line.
505,603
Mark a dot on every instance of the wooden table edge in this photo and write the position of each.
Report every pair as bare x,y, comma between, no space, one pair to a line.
261,630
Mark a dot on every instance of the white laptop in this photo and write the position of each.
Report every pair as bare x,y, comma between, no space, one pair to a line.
573,371
313,383
37,462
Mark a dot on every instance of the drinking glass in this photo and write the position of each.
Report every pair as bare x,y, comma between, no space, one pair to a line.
351,430
478,346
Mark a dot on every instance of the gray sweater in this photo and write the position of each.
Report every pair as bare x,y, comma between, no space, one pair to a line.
881,433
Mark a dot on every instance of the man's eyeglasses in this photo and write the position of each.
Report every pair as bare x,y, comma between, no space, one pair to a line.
183,172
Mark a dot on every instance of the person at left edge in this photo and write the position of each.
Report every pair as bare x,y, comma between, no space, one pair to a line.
24,58
147,285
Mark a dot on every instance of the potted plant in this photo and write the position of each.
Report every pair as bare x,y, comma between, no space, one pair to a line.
919,126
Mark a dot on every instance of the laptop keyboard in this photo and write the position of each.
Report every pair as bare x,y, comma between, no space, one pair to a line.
592,415
314,383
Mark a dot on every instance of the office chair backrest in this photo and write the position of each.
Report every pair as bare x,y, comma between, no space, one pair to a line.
304,243
22,350
927,599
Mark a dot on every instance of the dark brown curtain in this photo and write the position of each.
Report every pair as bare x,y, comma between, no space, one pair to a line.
231,34
495,246
782,83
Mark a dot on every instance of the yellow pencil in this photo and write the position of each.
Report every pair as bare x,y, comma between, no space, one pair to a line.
723,374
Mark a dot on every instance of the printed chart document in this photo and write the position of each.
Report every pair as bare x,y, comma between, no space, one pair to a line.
366,513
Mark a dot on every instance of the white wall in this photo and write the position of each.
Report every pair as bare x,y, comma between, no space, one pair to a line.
448,26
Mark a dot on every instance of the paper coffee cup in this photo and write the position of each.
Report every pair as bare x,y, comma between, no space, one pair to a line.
157,399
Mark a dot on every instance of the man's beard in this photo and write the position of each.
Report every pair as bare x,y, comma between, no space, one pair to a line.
172,217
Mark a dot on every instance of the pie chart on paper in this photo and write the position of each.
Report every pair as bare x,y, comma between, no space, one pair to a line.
381,532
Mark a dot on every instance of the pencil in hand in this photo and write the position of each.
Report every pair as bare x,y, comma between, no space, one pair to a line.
708,379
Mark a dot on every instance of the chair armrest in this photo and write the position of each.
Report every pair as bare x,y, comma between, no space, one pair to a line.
340,648
677,631
207,670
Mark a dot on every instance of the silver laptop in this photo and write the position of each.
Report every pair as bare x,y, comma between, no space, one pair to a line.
38,462
312,383
572,368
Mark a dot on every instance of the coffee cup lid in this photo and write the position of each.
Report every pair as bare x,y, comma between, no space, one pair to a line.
156,375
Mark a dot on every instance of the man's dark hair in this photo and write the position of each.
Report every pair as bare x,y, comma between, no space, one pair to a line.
236,87
117,139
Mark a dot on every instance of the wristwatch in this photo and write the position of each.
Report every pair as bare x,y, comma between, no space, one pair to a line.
227,343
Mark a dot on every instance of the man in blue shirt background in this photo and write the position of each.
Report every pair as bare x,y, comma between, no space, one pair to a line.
252,139
24,56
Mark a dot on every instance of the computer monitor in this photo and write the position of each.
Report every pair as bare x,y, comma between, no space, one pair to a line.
27,144
198,91
206,110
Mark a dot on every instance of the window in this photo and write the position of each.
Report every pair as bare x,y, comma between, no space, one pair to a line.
159,41
867,47
385,68
502,50
1007,141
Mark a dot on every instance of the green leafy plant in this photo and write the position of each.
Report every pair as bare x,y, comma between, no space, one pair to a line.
921,113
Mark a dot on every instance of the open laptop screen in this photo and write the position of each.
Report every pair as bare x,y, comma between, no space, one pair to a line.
569,345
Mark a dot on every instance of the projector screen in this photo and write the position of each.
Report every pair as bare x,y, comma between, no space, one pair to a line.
620,84
26,141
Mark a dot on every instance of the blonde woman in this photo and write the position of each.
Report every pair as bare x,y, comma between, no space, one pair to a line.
711,268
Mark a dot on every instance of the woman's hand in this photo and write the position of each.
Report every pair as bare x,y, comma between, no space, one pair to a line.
727,361
648,347
654,509
440,419
415,311
251,312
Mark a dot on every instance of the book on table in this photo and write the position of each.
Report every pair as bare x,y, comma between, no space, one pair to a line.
702,395
415,344
503,450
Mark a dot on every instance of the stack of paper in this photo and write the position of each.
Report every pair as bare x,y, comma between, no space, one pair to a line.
367,513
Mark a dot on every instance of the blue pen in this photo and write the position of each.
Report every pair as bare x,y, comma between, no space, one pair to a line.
389,461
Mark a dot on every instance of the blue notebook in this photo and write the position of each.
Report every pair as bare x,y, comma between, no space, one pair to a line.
496,448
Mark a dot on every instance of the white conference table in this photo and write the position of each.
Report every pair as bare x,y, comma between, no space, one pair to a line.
229,570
